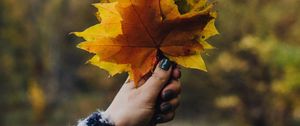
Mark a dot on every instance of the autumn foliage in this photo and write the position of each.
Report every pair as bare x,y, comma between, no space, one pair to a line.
133,34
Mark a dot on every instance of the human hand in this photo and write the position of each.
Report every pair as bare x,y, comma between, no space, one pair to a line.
138,106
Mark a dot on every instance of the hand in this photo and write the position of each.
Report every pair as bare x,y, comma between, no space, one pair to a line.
138,106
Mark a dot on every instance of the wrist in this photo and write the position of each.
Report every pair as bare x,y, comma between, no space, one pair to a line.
116,118
97,118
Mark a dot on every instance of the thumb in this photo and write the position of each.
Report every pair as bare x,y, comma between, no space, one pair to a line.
158,79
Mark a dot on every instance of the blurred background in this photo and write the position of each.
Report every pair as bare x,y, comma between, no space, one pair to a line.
253,78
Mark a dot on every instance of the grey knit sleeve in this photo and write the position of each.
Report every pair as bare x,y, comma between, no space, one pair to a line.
96,119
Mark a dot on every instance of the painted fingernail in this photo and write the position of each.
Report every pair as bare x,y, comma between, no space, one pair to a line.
159,118
168,95
165,64
165,107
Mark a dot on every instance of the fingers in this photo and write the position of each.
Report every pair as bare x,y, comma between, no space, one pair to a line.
159,78
169,106
176,74
167,111
171,90
170,102
162,118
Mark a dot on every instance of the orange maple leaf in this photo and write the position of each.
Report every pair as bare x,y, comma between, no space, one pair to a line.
132,33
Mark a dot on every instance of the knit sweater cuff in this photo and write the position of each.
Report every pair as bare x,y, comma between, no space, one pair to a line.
96,119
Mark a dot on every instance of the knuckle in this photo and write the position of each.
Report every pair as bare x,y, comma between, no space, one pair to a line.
159,77
174,85
178,87
171,116
175,102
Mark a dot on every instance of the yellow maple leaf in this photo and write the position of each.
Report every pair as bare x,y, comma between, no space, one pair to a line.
132,33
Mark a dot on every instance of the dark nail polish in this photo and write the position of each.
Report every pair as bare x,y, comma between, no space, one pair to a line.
159,119
165,64
165,107
168,95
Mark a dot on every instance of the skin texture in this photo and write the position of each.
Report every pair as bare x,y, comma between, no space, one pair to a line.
142,106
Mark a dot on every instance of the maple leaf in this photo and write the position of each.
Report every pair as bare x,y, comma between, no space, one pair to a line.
132,33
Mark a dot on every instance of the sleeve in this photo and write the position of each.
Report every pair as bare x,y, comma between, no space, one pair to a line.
96,119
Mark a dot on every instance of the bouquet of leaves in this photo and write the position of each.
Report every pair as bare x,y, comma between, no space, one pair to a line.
132,35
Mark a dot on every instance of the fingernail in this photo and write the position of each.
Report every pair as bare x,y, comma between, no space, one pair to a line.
168,95
165,64
159,119
165,107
